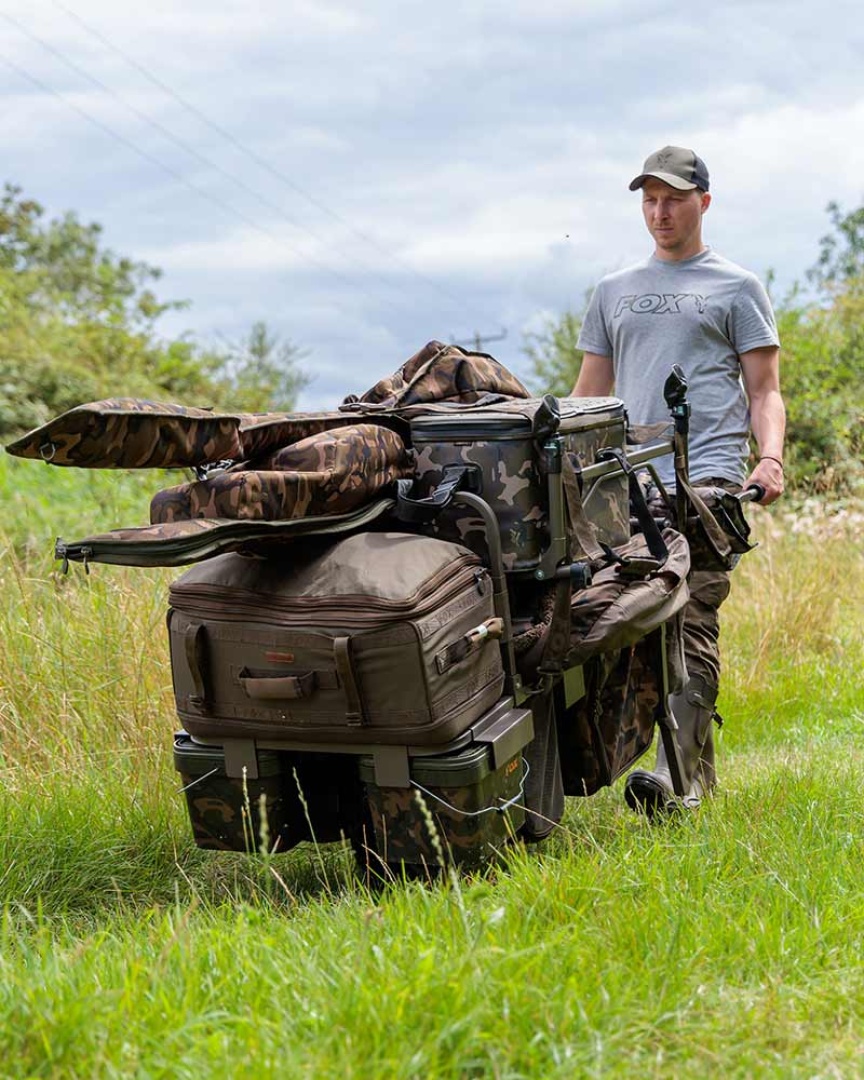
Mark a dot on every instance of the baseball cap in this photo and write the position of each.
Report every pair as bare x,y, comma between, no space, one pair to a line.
675,166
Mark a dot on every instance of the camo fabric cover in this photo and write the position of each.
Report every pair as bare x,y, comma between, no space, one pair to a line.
133,433
328,473
261,434
614,612
610,728
465,837
179,543
440,372
717,531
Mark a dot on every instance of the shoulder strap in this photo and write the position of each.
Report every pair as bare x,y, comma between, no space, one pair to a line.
650,529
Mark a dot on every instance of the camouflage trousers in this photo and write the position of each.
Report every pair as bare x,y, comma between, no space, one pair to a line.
708,590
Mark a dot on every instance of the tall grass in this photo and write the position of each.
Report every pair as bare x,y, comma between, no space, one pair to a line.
725,943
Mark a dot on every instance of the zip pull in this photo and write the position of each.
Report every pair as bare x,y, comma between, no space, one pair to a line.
470,641
492,628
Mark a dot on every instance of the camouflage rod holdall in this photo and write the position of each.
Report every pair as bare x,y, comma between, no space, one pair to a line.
330,482
182,542
134,433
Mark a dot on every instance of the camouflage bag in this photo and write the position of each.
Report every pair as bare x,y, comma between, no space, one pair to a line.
262,434
501,446
616,610
439,373
612,725
716,529
332,472
182,542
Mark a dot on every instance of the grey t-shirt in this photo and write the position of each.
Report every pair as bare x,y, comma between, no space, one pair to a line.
701,313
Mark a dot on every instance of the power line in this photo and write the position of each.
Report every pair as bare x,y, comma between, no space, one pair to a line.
200,192
174,139
478,340
254,156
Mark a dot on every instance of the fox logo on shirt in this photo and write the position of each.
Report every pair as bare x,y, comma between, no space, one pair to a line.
658,303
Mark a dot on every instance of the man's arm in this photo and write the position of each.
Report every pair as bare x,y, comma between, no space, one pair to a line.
596,376
761,372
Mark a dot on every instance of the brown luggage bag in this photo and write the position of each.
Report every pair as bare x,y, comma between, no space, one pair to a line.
378,638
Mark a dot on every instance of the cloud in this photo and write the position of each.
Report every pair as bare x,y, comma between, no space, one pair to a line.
483,148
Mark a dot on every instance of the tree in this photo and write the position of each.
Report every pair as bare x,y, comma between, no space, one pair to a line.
262,372
68,273
555,358
841,252
78,323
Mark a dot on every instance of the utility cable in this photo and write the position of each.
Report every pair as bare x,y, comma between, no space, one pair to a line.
156,125
199,191
252,155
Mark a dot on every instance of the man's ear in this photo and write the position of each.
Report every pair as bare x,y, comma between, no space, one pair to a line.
706,201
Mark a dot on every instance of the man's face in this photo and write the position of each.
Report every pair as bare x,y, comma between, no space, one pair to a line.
674,218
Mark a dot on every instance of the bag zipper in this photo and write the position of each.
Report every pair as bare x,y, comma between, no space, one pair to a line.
349,610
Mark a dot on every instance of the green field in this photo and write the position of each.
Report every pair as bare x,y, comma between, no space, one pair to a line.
729,943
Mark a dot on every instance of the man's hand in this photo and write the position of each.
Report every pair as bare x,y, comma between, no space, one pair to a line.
769,474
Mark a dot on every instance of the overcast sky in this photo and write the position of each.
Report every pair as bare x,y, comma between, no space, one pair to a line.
365,176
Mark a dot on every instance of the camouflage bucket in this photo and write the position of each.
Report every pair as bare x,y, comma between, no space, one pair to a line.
459,809
499,446
231,813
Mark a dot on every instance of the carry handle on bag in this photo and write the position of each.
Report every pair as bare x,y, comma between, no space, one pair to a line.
424,511
264,686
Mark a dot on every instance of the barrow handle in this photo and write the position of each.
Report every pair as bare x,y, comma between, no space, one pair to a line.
752,493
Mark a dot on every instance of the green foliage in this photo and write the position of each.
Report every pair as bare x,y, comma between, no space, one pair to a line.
841,251
727,943
555,359
262,372
823,387
78,323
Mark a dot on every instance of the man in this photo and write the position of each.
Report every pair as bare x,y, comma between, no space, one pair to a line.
688,305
